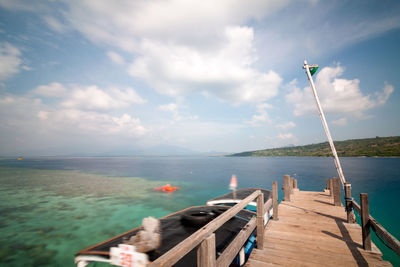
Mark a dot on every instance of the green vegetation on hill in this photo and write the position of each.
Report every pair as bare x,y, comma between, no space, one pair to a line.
370,147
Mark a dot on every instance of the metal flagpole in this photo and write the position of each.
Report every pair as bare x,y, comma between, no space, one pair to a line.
321,114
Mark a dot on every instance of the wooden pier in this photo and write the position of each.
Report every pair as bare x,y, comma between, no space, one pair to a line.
312,231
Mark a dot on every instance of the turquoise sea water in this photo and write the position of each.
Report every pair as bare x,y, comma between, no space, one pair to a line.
50,208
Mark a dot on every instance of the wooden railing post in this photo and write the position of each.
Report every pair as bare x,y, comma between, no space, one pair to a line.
295,183
365,224
286,188
291,183
275,200
336,192
331,187
351,218
206,252
260,221
328,184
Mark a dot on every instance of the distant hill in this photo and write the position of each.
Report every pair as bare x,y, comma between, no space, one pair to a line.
369,147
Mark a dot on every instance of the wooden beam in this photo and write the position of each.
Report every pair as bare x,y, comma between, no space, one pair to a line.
176,253
260,221
336,192
226,258
291,183
390,240
366,234
351,218
286,188
267,205
356,207
275,200
206,252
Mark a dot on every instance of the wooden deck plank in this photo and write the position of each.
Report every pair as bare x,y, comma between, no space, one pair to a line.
311,231
261,263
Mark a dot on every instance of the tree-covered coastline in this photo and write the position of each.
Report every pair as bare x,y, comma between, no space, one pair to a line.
368,147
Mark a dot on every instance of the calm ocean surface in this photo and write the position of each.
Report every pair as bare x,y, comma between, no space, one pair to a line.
50,208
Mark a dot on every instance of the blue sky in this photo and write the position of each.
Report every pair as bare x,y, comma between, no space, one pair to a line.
125,77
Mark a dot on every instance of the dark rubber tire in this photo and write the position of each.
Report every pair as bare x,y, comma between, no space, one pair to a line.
196,217
219,210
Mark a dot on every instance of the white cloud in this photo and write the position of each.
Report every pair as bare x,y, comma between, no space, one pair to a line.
383,96
90,122
10,61
216,58
286,125
25,67
27,123
340,122
172,108
131,125
53,115
226,72
90,97
94,98
54,24
261,116
333,27
21,5
43,115
86,123
116,58
285,136
336,95
51,90
284,139
123,24
290,34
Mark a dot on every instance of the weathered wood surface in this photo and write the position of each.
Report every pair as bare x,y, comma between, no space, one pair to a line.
275,200
260,220
311,231
336,191
365,225
232,250
184,247
206,252
356,207
286,188
390,240
351,218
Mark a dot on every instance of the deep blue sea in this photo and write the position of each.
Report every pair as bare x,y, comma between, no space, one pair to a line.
50,208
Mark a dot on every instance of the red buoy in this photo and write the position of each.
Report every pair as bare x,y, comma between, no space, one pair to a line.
166,188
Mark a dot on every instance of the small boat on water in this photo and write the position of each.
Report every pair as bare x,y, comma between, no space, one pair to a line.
176,227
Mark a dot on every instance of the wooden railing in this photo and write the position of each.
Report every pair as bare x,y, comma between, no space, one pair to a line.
367,221
204,238
289,183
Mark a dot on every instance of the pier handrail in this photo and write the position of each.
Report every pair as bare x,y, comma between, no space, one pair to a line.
369,221
205,236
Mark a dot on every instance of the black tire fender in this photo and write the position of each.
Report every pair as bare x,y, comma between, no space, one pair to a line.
196,217
219,210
